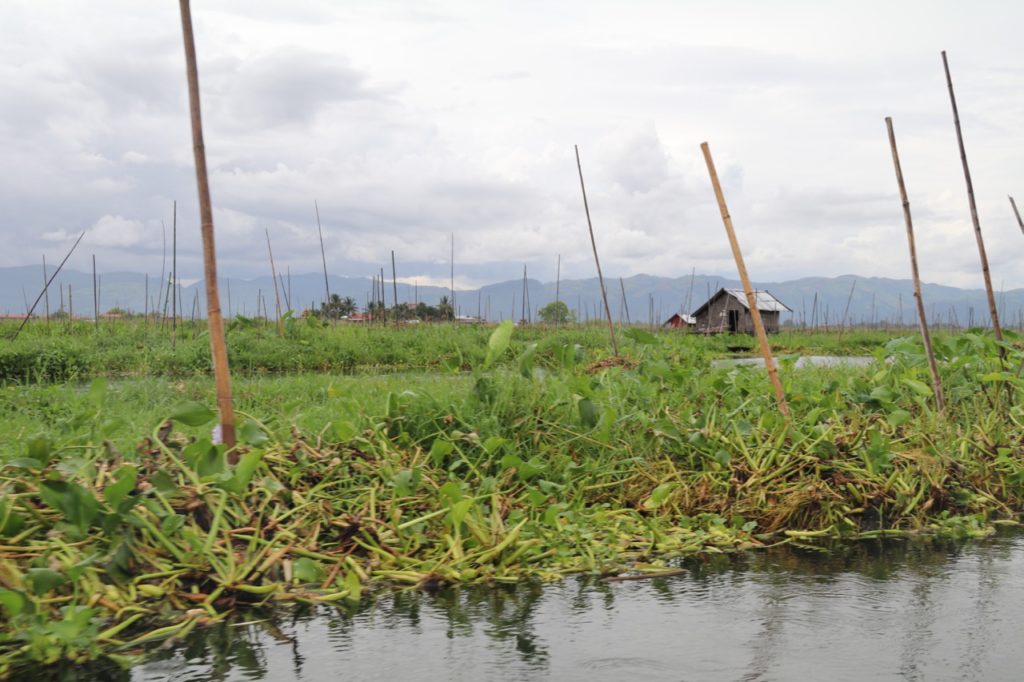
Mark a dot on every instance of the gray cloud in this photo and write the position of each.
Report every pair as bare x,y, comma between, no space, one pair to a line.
408,125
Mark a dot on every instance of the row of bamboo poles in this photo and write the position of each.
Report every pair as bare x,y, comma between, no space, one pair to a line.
215,318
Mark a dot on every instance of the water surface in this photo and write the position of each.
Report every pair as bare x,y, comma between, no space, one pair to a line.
879,610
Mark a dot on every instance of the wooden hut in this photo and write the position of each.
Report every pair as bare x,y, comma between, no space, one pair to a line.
727,311
680,321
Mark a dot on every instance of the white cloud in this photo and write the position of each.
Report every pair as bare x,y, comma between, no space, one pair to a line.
410,124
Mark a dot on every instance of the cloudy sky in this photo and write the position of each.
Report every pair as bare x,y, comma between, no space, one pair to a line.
410,121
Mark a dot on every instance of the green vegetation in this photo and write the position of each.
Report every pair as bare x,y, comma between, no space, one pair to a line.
506,455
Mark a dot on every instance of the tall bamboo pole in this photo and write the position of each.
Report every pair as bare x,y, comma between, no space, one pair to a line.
277,293
174,274
95,294
1016,213
996,329
755,312
597,261
558,285
940,400
218,346
625,303
323,255
394,287
46,291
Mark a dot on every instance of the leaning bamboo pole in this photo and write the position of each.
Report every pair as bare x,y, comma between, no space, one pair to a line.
755,312
940,400
323,255
218,346
46,292
46,286
993,311
597,262
1016,213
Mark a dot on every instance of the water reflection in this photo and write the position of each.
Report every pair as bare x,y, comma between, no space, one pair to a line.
880,610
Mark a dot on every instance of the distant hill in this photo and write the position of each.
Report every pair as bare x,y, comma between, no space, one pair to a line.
820,299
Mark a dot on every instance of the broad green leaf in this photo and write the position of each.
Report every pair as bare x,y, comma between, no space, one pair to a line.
15,602
498,343
458,511
440,449
354,587
78,505
192,414
39,449
406,481
124,482
251,433
244,471
898,417
43,580
307,570
918,387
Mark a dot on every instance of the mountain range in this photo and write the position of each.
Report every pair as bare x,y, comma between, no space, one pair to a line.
813,300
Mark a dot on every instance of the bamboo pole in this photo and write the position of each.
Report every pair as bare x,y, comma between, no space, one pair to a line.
95,294
940,400
1016,213
452,313
48,283
394,287
218,346
625,303
755,312
597,261
323,255
558,286
174,274
277,293
996,329
46,292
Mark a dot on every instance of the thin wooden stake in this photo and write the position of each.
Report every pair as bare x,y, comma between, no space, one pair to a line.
323,255
996,329
174,274
625,303
597,261
394,288
1020,223
755,312
46,292
218,346
277,293
558,284
48,283
940,400
95,294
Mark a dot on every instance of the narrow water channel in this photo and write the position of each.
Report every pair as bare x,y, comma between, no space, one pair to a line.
878,610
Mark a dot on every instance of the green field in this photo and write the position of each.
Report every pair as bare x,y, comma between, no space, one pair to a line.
376,458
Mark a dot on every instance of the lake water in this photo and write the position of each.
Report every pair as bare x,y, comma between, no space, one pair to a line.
870,610
803,361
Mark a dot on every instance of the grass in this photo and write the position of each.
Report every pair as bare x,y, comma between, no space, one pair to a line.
512,459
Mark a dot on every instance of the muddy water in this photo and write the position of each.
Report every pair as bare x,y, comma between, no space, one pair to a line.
873,610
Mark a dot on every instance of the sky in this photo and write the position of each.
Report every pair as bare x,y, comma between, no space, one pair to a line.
410,122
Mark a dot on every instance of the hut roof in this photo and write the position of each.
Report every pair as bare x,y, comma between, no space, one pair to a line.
766,302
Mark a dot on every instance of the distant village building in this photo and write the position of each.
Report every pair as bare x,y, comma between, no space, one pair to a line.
727,311
679,321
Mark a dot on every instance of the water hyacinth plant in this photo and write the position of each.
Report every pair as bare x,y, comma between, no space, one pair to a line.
535,458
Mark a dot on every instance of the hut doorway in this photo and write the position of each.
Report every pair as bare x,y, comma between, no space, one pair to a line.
734,321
